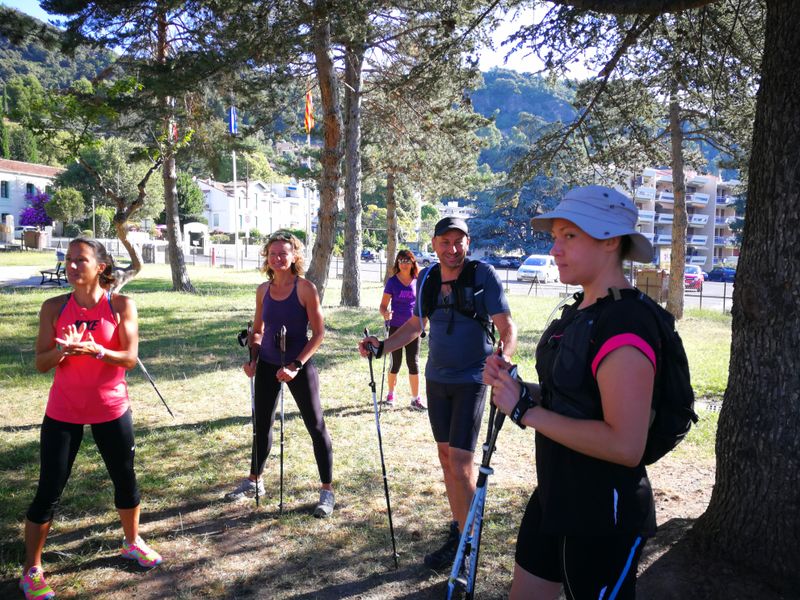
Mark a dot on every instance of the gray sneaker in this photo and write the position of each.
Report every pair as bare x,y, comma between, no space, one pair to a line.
245,489
325,505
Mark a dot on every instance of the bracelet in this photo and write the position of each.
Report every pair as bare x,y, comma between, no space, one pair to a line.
101,354
297,364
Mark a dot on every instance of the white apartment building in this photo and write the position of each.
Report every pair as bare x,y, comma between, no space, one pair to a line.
19,178
710,207
260,205
452,209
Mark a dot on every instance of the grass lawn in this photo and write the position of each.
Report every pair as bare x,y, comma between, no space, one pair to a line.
215,549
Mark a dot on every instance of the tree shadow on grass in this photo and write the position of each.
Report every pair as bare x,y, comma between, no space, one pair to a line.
676,568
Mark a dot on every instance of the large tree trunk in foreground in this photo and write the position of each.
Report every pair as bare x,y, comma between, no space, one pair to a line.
679,219
331,155
351,276
391,224
754,514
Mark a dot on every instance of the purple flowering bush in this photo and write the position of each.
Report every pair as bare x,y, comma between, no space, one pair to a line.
35,215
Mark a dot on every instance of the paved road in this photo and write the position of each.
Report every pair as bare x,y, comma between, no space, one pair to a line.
715,296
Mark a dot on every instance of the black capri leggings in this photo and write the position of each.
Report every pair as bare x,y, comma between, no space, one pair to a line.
412,356
59,443
305,391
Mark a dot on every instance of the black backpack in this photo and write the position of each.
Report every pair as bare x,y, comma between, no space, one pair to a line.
466,294
672,412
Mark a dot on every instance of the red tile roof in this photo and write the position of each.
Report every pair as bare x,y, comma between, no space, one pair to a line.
24,168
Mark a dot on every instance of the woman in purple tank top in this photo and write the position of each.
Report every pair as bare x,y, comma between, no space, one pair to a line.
288,300
401,292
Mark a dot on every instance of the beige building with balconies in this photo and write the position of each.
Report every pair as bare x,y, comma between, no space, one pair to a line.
710,208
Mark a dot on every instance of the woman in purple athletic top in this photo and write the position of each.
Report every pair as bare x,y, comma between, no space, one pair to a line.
288,300
401,292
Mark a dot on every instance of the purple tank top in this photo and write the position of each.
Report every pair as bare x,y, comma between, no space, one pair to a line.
288,312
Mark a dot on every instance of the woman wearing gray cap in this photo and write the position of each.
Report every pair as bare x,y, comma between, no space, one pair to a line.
593,509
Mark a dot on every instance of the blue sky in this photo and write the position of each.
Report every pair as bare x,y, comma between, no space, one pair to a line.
488,58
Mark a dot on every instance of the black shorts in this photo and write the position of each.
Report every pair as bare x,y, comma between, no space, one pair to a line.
455,411
588,566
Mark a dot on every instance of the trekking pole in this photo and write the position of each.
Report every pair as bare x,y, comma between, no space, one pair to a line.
282,345
372,352
244,337
383,368
465,564
153,383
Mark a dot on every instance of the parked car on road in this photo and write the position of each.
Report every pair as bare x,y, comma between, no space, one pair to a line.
513,262
492,259
367,255
425,258
538,267
726,274
693,278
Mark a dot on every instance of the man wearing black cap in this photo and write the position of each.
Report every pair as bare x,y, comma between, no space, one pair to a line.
464,302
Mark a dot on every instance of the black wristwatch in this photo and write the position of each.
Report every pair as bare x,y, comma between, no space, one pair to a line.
297,364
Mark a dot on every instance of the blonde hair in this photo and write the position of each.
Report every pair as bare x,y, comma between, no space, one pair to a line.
298,266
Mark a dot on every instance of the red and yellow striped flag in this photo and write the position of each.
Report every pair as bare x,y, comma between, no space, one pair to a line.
309,120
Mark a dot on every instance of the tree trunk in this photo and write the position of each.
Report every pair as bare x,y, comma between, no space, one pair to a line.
754,514
679,219
177,263
180,278
391,224
331,155
351,276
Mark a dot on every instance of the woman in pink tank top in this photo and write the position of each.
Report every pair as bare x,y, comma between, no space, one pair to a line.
90,337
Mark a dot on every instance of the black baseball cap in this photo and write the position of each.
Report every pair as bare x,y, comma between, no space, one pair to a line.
449,223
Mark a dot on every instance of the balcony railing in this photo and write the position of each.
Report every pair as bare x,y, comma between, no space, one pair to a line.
697,240
646,216
666,197
697,220
664,218
696,260
697,199
663,240
726,200
645,193
649,236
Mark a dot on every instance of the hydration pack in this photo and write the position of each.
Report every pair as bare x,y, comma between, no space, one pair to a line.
672,411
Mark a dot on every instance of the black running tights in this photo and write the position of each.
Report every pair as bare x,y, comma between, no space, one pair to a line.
59,444
305,390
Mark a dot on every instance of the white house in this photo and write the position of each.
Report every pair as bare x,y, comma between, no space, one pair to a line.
260,205
19,178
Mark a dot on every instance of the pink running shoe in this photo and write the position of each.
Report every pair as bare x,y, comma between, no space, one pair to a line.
141,553
34,586
389,400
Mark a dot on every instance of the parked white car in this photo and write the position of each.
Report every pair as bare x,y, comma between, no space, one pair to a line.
20,229
538,267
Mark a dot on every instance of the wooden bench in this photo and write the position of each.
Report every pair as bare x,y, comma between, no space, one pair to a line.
56,275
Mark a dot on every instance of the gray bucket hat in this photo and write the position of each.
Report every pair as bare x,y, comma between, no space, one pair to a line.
602,213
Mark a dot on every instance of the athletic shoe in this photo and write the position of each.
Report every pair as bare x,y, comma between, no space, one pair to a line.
34,586
443,557
389,400
245,489
325,505
416,404
141,553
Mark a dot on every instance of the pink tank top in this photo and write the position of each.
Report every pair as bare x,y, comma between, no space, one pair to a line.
86,390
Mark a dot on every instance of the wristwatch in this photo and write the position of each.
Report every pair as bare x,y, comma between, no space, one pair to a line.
296,365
